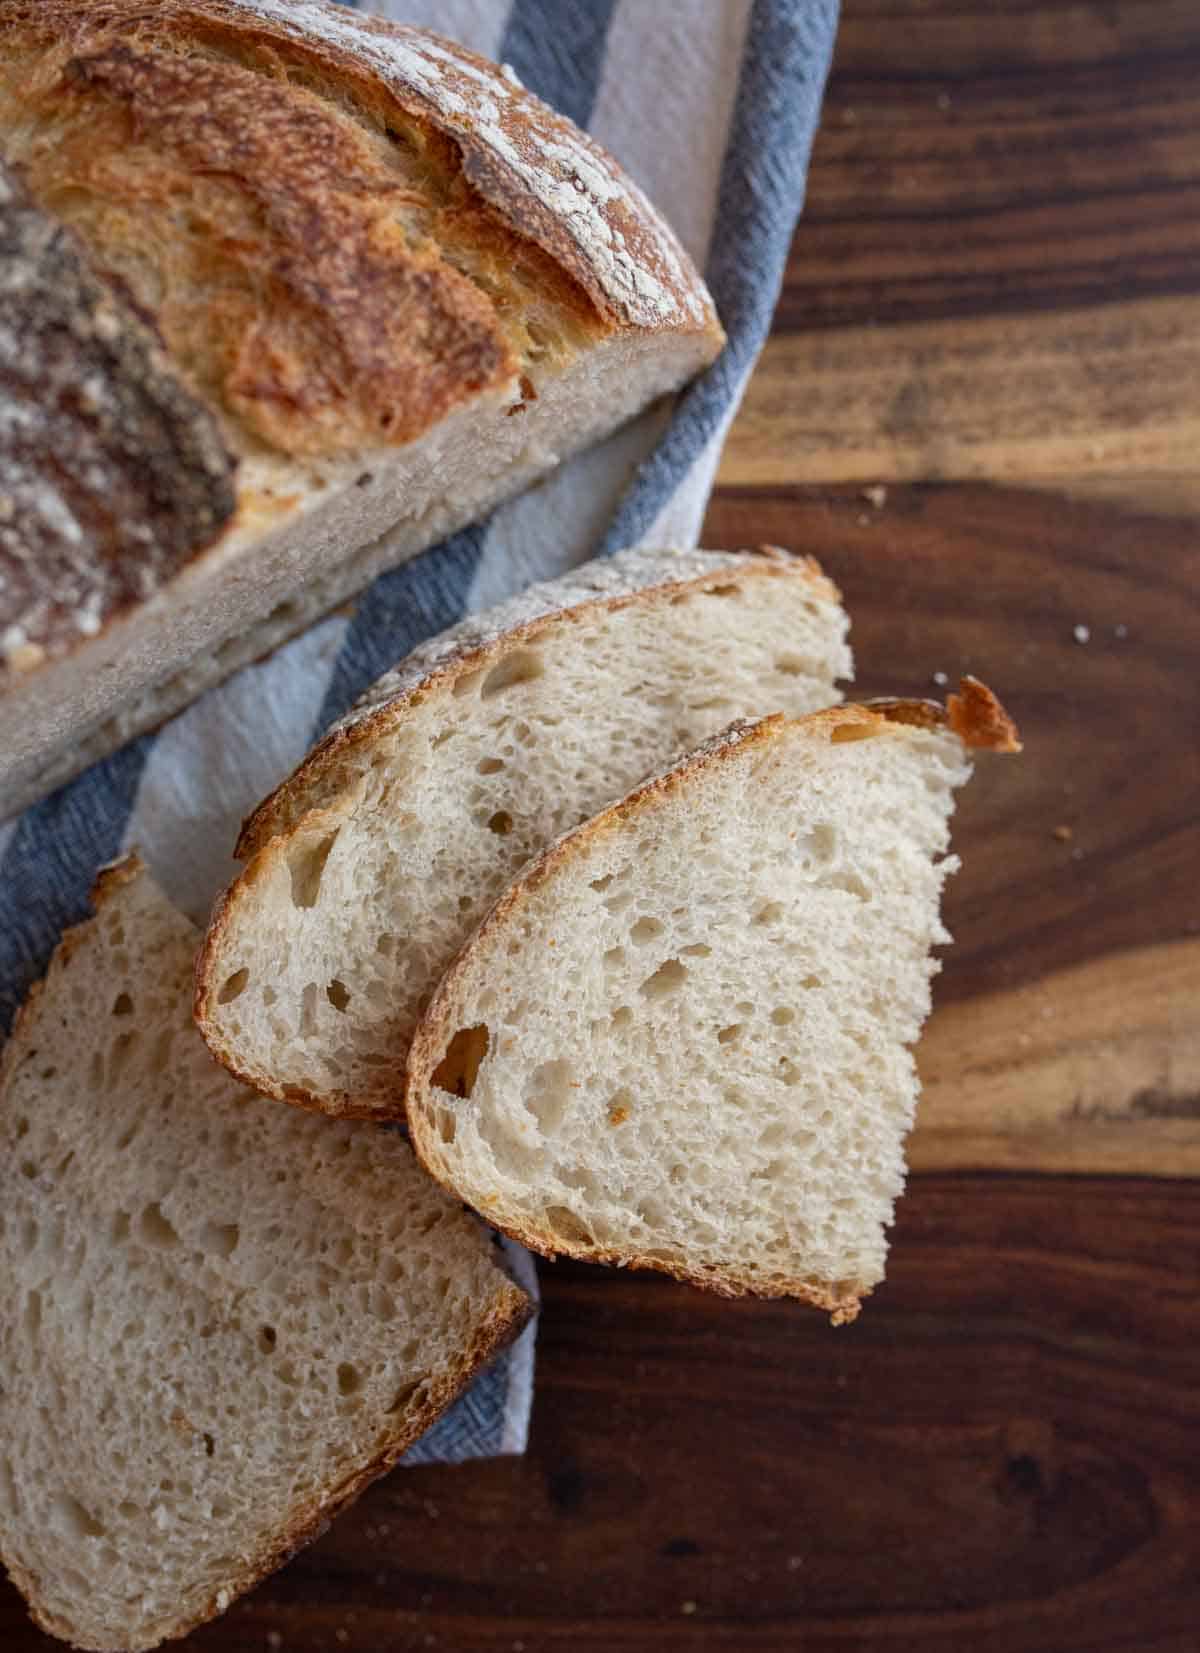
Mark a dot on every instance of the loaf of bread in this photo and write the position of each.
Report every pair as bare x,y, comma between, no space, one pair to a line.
222,1318
370,866
290,294
681,1040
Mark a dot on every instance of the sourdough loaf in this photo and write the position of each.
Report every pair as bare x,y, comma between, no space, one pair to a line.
290,294
222,1318
369,867
681,1040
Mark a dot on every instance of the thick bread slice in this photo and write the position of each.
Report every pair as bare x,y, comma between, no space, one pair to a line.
681,1039
222,1319
369,868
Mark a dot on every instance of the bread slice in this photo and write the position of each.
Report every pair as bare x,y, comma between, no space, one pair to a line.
403,290
368,869
681,1039
222,1318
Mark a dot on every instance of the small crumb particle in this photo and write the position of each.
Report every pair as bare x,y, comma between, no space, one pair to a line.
618,1116
943,100
863,520
518,1647
1082,634
687,1607
384,1529
274,1639
341,1634
1077,855
1121,631
940,679
1063,833
876,496
795,1562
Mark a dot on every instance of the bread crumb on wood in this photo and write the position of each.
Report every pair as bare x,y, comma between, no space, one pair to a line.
1082,634
1063,833
274,1639
688,1607
940,679
876,495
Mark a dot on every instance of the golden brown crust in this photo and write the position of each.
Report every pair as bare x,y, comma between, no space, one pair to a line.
543,178
318,773
979,720
974,714
301,287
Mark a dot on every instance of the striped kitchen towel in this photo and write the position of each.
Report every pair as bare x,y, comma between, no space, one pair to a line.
711,105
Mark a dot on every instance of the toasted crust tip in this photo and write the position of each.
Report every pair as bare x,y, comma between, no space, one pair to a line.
974,714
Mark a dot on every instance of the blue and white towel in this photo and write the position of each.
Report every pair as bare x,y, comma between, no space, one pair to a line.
711,105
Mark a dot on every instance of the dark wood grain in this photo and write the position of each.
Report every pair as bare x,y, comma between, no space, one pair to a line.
997,273
982,159
1003,1453
992,307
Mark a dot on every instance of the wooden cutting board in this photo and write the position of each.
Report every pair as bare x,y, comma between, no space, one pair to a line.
981,409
